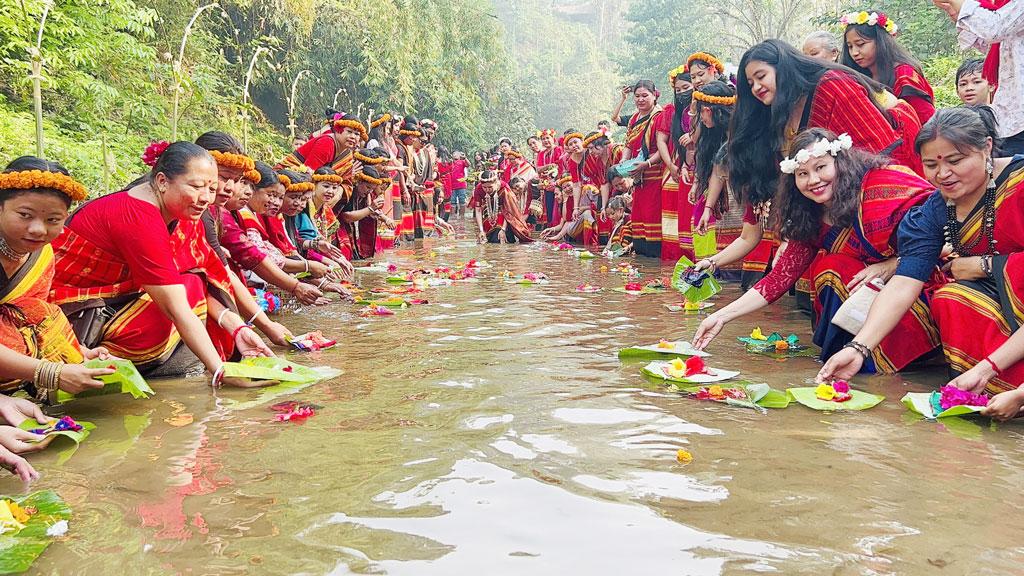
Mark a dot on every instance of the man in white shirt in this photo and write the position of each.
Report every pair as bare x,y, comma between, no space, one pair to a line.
981,24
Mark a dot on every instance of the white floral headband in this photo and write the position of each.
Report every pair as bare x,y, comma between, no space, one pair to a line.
819,149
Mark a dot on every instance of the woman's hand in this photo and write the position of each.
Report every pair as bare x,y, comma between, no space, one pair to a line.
704,221
97,352
17,465
685,140
277,333
975,379
318,269
706,332
626,92
250,345
21,441
843,365
330,250
501,236
75,378
639,170
378,202
1005,406
882,270
705,264
14,411
965,268
307,293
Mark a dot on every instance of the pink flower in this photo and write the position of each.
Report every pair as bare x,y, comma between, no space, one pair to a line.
153,152
841,386
392,268
953,396
633,287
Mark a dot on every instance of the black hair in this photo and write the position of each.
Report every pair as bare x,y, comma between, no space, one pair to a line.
972,66
646,85
800,217
294,177
221,142
888,53
515,180
372,172
966,127
681,105
488,175
711,140
26,163
756,136
600,140
268,177
325,170
175,161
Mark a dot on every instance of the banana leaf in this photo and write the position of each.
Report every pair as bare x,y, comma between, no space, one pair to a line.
398,280
695,286
268,368
679,349
656,369
75,437
861,400
18,550
922,403
126,380
646,290
300,377
758,395
705,245
390,302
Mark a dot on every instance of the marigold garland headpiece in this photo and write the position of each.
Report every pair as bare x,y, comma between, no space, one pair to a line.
235,161
716,100
340,124
871,19
819,149
707,59
284,180
513,154
252,176
673,74
32,179
570,136
371,179
381,120
300,187
404,132
592,138
372,161
563,180
332,178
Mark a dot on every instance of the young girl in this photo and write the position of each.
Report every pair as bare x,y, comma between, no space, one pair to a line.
870,47
620,241
583,225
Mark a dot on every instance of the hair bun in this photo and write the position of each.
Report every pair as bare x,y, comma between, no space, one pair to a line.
153,152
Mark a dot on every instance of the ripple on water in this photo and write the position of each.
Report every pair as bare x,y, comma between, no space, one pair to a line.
606,416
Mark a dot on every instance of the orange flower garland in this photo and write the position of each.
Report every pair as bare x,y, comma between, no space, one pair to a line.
235,161
593,138
284,180
563,180
385,118
300,187
371,179
707,59
570,136
31,179
416,133
252,176
368,160
332,178
354,125
717,100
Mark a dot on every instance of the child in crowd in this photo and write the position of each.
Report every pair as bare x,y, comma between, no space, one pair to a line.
972,88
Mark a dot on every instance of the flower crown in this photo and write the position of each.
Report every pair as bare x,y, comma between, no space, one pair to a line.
30,179
563,180
284,180
593,138
707,59
385,118
817,150
674,73
252,176
154,151
333,178
371,179
356,125
363,158
717,100
871,19
235,161
300,187
404,132
570,136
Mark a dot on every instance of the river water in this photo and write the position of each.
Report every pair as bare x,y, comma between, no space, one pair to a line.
495,431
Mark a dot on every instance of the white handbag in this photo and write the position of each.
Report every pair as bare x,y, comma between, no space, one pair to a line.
854,312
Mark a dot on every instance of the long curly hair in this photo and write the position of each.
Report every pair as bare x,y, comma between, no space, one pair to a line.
757,134
710,140
800,217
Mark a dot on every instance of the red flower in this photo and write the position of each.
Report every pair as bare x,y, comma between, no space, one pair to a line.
153,152
695,365
882,19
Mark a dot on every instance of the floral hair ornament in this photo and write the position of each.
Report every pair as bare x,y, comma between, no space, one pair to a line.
332,178
301,187
235,161
819,149
715,100
707,59
870,19
564,180
31,179
252,176
371,179
386,117
404,132
340,124
154,151
572,135
593,137
372,161
675,73
284,180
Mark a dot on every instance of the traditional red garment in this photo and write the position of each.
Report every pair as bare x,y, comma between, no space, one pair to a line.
29,324
972,322
501,209
646,214
909,85
116,244
319,152
887,194
357,240
676,209
420,220
842,105
549,156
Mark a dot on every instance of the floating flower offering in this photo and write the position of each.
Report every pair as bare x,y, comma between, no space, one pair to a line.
838,391
376,311
588,288
311,342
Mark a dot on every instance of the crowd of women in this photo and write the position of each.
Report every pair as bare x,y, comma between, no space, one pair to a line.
838,177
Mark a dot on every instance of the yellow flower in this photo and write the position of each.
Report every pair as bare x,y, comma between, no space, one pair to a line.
825,392
684,457
862,18
8,522
715,391
691,306
677,368
757,334
666,345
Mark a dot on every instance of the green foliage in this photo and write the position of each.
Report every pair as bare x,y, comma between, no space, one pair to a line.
662,34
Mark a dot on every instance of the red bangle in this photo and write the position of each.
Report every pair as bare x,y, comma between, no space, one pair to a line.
993,365
237,330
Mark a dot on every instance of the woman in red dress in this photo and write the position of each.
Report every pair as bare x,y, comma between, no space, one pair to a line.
641,144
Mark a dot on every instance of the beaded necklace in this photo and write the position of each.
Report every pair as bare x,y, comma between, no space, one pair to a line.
954,227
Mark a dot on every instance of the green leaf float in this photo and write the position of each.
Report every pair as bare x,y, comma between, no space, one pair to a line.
859,400
775,345
292,377
926,404
126,380
687,372
695,286
756,396
705,245
19,547
662,349
585,254
398,280
52,429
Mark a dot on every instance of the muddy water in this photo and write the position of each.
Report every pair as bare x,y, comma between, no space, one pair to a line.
495,431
